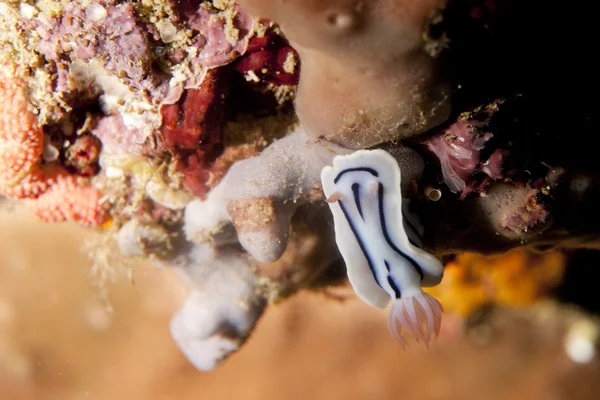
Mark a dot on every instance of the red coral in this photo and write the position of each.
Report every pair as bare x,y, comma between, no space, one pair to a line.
51,191
265,77
271,59
192,130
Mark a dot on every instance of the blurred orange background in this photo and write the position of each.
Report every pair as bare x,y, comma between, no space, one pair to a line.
62,337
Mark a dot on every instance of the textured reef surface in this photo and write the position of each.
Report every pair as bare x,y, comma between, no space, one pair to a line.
193,133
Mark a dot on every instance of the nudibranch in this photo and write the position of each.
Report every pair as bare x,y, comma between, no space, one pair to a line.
380,244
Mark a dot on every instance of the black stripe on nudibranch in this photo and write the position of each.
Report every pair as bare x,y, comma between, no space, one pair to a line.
387,236
355,189
360,169
394,287
391,282
359,240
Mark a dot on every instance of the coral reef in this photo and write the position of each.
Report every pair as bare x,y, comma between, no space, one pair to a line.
119,114
194,134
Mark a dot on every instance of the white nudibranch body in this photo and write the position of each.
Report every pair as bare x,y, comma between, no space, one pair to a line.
380,245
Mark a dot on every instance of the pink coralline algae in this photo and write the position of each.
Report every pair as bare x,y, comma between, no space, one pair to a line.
117,138
141,54
459,147
218,35
51,191
126,46
111,32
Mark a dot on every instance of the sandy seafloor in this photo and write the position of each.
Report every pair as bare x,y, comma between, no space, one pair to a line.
57,341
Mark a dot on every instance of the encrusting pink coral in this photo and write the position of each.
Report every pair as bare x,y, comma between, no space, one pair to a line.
101,30
117,138
156,56
51,191
218,36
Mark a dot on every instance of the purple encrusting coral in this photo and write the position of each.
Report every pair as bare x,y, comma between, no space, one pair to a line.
126,46
133,50
117,138
108,31
217,39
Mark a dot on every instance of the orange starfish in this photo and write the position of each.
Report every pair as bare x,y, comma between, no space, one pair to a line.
50,190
